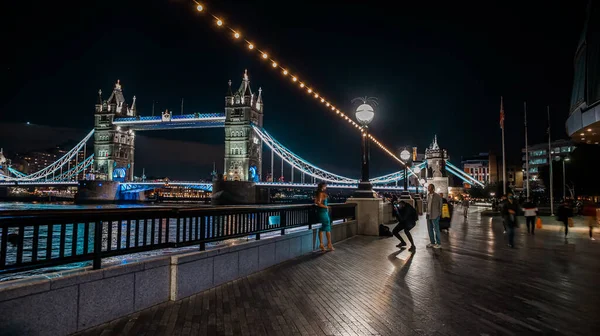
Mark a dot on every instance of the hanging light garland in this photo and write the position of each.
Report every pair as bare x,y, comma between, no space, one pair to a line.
295,79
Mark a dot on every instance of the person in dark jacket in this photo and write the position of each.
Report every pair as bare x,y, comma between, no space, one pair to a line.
509,214
407,217
564,213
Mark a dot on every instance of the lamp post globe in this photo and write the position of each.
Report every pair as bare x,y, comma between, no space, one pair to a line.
364,114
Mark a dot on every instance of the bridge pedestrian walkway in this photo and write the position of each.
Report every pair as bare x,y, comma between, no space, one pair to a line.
474,285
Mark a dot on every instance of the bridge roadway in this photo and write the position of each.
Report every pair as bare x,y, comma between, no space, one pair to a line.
474,285
141,186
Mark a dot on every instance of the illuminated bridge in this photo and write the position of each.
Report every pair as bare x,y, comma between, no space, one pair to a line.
245,139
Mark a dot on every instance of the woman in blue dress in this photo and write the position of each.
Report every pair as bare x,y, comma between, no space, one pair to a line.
323,215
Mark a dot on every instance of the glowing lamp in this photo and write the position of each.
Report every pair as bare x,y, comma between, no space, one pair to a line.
264,55
364,114
250,46
274,65
219,23
200,8
236,35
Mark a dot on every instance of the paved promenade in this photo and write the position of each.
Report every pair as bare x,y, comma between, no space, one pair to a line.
474,285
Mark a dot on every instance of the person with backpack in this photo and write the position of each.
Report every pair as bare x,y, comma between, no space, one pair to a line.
446,217
407,219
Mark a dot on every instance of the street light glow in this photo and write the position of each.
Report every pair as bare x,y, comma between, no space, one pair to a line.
250,46
236,35
199,8
219,22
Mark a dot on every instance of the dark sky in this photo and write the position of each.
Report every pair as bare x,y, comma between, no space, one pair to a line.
436,67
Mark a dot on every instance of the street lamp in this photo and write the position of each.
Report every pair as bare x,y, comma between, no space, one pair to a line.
565,159
364,115
405,156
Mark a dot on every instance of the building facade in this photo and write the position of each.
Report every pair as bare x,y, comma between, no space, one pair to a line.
478,167
538,157
243,148
583,124
113,145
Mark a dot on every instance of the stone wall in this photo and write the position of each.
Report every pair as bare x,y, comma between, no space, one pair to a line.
65,305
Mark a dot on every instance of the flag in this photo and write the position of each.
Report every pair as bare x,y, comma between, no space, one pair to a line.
501,113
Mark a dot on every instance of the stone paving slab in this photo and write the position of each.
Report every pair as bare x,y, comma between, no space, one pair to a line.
474,285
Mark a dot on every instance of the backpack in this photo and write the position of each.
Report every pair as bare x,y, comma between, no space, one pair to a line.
384,231
445,210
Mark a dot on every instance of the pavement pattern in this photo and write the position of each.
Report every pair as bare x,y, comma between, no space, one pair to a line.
473,285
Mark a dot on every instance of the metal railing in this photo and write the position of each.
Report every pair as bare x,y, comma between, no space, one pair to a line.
35,239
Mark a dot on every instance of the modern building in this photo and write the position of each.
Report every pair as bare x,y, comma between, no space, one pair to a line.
479,168
583,124
538,157
487,169
32,162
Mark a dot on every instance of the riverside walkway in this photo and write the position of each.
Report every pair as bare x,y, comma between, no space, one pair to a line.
474,285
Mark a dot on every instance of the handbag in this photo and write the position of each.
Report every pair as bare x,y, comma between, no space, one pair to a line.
571,222
538,223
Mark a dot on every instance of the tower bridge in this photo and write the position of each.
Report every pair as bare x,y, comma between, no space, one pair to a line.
108,173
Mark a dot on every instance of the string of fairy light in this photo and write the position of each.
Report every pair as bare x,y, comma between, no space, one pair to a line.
295,79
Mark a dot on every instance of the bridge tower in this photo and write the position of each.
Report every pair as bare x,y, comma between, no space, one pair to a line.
113,145
243,148
436,171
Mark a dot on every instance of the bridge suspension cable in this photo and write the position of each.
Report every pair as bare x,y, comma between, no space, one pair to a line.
295,79
310,169
55,166
81,166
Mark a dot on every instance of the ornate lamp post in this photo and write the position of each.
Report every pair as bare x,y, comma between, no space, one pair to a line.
364,115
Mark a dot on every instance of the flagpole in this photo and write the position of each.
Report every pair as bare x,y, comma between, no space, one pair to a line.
550,164
526,150
503,151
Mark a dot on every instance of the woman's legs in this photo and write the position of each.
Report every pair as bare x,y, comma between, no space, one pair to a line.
329,242
566,223
321,247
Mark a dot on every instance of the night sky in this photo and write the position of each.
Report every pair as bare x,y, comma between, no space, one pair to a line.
436,67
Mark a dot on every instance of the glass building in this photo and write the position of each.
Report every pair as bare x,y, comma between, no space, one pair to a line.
583,124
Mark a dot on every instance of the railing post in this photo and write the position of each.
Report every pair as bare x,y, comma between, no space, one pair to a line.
202,233
282,221
98,245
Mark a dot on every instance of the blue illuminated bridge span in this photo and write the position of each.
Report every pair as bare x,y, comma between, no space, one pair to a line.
66,171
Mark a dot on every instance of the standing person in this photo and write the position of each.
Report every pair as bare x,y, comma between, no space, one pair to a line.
590,214
564,213
407,219
434,212
531,212
323,215
465,205
510,210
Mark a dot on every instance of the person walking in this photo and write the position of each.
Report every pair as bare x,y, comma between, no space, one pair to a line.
591,217
434,212
510,211
323,215
465,206
531,212
501,206
564,213
407,219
